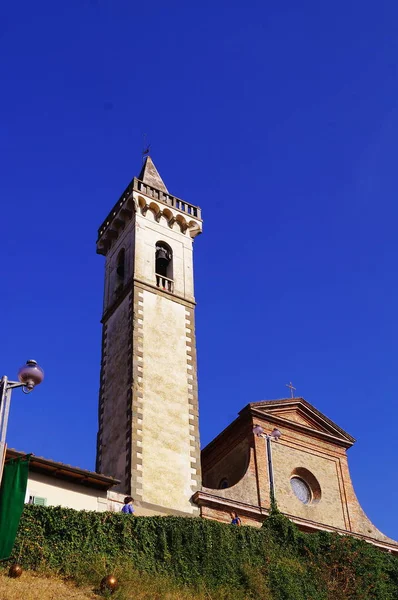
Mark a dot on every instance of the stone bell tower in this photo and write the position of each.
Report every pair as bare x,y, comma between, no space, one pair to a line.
148,407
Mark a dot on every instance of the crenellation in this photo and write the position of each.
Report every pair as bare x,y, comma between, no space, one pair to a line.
142,197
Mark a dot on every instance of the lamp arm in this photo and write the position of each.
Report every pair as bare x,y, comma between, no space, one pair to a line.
10,385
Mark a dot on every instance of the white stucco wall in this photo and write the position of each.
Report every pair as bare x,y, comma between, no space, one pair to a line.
63,493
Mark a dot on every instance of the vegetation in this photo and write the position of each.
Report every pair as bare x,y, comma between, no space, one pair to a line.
37,586
33,587
195,559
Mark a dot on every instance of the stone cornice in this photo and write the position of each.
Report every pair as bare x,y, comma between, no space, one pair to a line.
328,430
306,407
141,196
160,292
144,286
315,433
238,429
203,498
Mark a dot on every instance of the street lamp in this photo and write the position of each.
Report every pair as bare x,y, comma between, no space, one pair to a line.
29,376
274,435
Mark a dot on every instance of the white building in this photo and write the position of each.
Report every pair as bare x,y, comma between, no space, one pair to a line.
52,483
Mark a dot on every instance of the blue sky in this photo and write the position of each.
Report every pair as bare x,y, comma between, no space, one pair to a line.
281,122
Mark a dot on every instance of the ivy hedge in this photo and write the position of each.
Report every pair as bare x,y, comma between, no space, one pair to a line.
277,561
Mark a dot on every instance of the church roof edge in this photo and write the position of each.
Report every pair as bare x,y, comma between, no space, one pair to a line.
330,429
303,403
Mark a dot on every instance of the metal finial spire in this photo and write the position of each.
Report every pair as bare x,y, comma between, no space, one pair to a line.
145,151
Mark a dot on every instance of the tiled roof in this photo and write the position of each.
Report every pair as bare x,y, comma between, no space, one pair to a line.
60,470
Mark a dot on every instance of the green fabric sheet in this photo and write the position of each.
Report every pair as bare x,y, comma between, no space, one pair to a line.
12,498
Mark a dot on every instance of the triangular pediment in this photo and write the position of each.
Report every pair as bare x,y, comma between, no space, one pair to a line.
300,414
297,416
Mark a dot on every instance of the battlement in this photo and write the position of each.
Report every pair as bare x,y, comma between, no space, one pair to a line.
188,215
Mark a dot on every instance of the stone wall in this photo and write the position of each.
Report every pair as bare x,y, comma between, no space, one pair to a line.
115,394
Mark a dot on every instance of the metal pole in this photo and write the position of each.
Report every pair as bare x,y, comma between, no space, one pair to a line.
5,397
27,383
3,391
7,402
270,469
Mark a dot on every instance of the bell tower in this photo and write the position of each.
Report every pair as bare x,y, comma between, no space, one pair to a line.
148,434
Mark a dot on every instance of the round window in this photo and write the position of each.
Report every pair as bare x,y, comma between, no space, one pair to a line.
301,490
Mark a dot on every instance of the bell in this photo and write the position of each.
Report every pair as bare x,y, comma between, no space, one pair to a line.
109,583
162,259
15,571
162,254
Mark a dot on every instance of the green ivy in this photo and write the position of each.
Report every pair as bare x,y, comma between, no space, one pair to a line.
278,559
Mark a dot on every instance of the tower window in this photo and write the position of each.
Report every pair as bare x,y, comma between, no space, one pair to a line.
120,264
164,266
120,271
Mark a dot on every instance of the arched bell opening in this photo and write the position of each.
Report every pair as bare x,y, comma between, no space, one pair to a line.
164,266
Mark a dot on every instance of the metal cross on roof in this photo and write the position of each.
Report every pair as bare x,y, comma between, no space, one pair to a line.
292,388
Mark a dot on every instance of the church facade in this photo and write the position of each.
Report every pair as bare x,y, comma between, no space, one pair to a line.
311,479
148,437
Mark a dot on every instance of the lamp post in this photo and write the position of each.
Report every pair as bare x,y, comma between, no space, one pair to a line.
29,376
274,435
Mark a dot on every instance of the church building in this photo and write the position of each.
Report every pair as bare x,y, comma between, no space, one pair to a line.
148,436
308,474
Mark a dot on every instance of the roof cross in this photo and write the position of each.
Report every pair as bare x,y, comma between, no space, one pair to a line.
292,389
